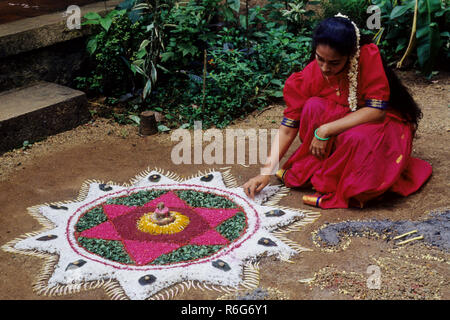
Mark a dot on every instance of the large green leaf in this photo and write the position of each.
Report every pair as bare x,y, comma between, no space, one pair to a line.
92,46
243,21
114,13
440,13
228,14
428,48
428,35
429,6
90,22
153,73
234,4
401,10
139,70
135,118
144,44
141,53
106,23
92,16
167,56
147,88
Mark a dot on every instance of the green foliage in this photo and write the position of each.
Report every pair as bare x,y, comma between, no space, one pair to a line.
431,37
111,50
215,61
162,54
188,32
105,22
242,78
187,253
395,32
233,227
205,200
281,53
298,15
243,73
137,199
428,34
432,40
108,249
231,88
91,219
158,58
154,17
356,10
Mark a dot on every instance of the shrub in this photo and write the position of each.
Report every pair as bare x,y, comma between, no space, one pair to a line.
248,57
239,79
111,49
431,38
356,10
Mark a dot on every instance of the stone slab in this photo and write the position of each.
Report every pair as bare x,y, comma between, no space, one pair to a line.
38,110
42,31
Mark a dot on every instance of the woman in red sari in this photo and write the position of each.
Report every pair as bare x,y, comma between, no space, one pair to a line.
356,122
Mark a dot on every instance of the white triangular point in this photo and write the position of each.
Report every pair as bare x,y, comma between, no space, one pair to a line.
145,182
235,255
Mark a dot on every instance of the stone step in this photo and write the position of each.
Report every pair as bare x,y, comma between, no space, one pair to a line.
44,48
42,31
35,111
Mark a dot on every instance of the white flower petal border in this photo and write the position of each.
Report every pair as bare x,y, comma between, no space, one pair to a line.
123,282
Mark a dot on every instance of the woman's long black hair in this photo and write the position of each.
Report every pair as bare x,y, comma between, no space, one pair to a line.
339,33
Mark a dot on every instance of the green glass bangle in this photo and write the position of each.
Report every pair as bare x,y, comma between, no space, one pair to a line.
322,139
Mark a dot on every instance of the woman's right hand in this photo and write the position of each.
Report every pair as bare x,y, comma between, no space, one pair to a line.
280,145
255,185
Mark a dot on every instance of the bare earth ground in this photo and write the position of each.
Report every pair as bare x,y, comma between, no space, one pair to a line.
53,170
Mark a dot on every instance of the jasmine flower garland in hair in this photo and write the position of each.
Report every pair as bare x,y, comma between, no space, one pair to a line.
353,70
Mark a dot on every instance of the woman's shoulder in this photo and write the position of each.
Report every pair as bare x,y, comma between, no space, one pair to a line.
368,51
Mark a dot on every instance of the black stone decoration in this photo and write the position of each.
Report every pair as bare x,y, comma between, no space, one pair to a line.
147,279
267,242
154,178
207,178
104,187
222,265
58,207
76,264
275,213
47,238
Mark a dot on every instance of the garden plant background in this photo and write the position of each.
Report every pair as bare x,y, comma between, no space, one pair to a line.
215,61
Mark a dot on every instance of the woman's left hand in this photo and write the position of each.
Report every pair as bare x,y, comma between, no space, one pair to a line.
318,147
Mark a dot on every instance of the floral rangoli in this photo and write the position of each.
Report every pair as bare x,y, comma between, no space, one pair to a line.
141,239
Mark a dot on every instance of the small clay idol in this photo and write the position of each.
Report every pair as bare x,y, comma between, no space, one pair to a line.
161,210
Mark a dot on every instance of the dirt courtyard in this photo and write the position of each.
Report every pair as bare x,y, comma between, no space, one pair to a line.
54,169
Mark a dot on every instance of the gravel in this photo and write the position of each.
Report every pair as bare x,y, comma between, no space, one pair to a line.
435,230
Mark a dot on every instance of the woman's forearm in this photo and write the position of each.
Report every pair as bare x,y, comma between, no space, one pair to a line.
353,119
280,145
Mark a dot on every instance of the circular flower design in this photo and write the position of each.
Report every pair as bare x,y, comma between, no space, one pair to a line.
111,237
127,226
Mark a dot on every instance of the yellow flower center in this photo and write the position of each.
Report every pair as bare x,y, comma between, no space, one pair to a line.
148,223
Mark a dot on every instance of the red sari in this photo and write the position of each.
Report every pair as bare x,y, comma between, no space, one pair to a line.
365,161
